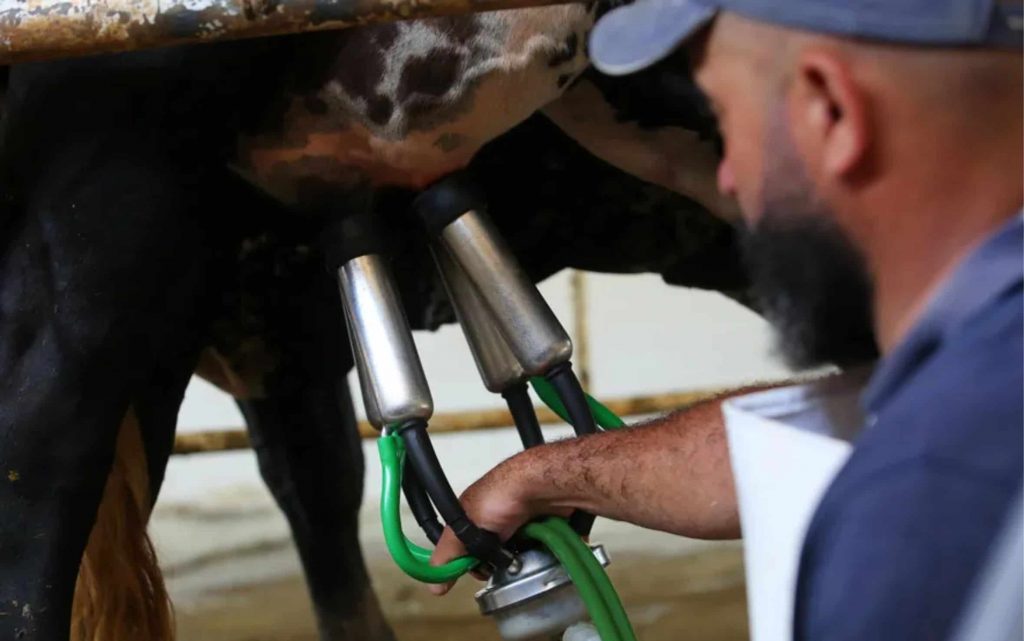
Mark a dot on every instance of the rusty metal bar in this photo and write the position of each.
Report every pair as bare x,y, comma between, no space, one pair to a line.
237,439
46,29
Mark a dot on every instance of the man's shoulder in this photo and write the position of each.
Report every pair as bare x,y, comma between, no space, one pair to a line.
898,550
963,409
909,517
904,526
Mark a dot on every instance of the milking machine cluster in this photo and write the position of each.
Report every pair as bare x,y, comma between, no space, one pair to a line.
545,582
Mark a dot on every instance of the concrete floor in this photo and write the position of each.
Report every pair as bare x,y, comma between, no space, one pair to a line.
234,575
696,596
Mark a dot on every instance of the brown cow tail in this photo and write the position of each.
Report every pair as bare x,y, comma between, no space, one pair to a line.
120,593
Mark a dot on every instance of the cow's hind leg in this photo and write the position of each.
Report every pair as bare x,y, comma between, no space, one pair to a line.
303,428
105,268
120,593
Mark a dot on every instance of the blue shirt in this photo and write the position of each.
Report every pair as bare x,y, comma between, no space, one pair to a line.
905,526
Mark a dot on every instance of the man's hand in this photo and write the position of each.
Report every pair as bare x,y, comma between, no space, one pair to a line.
671,475
499,502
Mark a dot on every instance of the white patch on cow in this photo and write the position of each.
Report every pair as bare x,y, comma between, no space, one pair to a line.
506,75
200,5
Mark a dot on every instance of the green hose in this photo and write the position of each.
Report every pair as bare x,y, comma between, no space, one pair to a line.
418,552
411,558
591,581
598,576
609,605
603,416
580,576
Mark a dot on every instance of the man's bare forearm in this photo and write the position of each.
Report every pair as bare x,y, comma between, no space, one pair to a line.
670,474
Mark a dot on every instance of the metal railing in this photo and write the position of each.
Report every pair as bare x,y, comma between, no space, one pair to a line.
447,423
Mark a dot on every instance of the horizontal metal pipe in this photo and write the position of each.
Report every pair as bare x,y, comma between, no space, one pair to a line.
46,29
238,439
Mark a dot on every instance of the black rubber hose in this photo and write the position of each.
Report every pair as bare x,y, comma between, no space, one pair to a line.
517,398
582,522
569,390
448,199
356,233
419,503
419,451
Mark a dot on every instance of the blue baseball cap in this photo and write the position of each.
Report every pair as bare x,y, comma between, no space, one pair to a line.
637,35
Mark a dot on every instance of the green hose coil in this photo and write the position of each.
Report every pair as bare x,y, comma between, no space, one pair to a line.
591,581
598,576
580,575
411,558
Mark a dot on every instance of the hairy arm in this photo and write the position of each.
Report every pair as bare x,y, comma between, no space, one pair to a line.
670,474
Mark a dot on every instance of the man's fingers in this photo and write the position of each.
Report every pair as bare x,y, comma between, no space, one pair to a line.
448,547
481,573
441,589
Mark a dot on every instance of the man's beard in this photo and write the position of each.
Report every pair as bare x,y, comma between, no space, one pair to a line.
807,277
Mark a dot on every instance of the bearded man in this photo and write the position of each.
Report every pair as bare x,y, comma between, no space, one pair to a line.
875,151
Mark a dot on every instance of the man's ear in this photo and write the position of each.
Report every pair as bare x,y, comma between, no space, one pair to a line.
829,113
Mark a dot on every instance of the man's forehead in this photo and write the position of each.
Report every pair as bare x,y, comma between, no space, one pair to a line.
734,35
716,52
696,52
732,46
696,45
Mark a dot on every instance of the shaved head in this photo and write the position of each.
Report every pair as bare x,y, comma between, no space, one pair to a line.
864,171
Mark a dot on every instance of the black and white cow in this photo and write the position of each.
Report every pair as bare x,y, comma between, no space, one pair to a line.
159,217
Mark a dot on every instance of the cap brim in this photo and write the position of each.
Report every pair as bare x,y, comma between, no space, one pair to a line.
635,36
